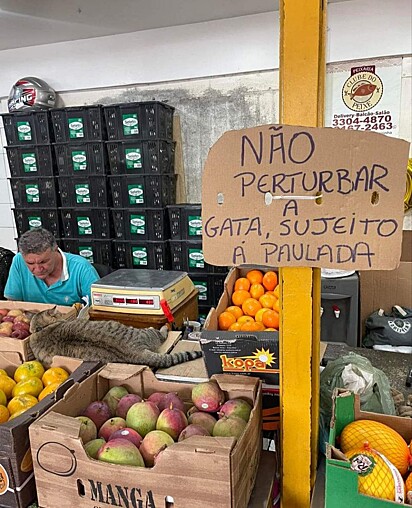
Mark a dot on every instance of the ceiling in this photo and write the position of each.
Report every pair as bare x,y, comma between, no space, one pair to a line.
33,22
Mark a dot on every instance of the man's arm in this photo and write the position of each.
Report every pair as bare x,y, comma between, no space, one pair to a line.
89,275
13,289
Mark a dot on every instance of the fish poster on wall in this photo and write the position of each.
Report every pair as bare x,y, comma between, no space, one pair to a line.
364,96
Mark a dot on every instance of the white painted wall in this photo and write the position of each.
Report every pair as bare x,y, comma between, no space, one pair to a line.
357,29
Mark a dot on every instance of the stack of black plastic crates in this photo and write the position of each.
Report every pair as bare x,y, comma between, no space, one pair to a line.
32,168
185,222
142,181
81,161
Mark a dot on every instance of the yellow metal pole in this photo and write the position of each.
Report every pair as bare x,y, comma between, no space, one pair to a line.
302,78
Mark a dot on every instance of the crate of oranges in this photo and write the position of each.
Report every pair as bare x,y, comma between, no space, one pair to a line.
27,391
241,335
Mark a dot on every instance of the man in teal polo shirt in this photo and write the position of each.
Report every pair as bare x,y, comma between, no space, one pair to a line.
42,273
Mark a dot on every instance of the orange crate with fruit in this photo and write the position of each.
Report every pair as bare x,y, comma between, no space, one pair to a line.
241,335
28,390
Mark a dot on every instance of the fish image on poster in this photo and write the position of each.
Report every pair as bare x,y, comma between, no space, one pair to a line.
363,89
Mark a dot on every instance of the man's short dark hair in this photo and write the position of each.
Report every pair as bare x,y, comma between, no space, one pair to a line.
36,241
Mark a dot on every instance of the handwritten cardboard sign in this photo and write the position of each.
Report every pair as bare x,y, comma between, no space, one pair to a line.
279,195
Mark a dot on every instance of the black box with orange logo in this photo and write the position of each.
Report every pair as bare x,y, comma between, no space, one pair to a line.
17,485
246,353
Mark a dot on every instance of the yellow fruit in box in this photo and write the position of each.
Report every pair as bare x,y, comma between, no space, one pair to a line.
7,384
29,369
32,386
381,438
408,489
3,398
21,402
54,375
16,414
3,372
48,390
4,414
377,477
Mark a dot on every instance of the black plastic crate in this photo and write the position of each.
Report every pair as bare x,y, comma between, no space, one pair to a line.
134,156
185,221
95,251
148,254
78,123
86,222
139,120
89,157
30,160
34,192
83,191
188,256
31,218
210,287
27,128
143,191
140,224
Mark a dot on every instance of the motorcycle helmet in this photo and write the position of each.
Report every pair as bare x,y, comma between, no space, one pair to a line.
31,94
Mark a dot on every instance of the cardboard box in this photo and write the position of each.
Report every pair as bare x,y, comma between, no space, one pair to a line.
200,472
22,347
341,481
247,353
263,495
17,487
381,289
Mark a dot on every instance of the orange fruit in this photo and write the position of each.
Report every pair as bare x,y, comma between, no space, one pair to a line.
267,301
259,314
54,375
32,386
276,291
255,276
16,414
3,398
245,319
7,384
52,387
276,306
235,327
252,327
226,319
3,372
235,310
270,330
4,414
242,283
28,369
21,402
270,280
256,291
240,296
271,319
250,306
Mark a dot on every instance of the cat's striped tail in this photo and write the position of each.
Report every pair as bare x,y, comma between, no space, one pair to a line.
162,360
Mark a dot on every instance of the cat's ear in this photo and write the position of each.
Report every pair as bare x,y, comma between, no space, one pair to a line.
53,311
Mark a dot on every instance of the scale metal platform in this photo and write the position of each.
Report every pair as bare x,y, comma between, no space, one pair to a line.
141,291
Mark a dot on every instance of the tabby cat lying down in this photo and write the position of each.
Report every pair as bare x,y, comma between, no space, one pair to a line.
107,341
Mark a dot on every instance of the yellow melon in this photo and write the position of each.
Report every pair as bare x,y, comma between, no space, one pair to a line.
377,477
381,438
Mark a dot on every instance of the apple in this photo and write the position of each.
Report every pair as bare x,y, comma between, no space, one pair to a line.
20,325
15,312
20,334
8,319
3,312
22,318
6,327
4,334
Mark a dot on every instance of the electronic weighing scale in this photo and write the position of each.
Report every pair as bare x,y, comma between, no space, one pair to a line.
136,291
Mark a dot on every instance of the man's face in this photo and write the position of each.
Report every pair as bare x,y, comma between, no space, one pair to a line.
42,264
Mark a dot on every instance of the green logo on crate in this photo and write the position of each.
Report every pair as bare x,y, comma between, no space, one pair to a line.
32,193
133,158
76,129
79,160
86,252
84,226
82,193
202,288
196,258
130,124
24,131
137,224
34,222
29,162
139,255
135,192
194,224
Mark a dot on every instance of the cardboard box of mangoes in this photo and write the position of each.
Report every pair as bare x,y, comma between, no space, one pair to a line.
15,323
200,471
17,486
